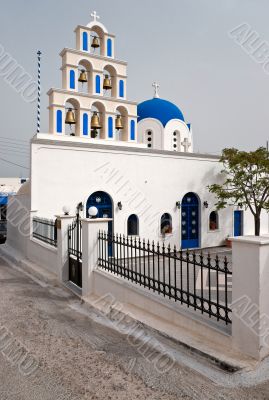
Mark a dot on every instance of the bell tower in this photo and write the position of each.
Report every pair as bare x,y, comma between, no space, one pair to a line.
92,103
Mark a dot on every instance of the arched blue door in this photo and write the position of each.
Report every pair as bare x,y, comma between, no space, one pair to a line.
103,202
190,221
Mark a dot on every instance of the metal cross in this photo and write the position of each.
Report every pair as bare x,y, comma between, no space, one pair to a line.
95,16
186,144
156,87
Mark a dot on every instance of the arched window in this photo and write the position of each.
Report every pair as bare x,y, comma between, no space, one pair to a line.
97,84
132,130
121,88
166,224
213,221
109,47
72,79
110,127
149,138
85,41
85,124
59,121
132,225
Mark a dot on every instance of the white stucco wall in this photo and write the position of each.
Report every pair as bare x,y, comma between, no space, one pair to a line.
19,235
148,183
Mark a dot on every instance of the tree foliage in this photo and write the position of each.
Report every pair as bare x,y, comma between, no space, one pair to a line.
246,181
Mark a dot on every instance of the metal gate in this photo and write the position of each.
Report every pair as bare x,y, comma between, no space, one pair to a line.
75,252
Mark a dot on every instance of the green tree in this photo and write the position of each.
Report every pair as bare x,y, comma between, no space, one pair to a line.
245,182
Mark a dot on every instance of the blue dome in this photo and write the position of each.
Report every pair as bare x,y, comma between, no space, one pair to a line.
160,109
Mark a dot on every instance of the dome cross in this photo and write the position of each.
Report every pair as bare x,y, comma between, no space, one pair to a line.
186,144
156,87
95,16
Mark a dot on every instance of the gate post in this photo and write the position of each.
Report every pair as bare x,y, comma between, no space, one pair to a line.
90,230
62,244
250,299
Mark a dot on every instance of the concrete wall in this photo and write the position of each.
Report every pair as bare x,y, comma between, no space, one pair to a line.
19,235
42,254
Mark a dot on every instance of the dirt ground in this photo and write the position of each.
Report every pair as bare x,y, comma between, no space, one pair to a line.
78,358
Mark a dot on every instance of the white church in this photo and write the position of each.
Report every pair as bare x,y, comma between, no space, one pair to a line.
133,161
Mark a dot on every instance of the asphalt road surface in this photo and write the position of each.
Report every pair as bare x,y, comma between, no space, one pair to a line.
51,349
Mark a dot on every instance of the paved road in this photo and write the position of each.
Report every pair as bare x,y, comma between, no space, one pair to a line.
72,356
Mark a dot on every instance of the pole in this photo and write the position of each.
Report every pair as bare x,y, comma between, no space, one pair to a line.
38,89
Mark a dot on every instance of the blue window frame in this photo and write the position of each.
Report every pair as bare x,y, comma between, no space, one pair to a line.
132,130
190,229
85,41
121,88
72,79
109,47
59,121
110,127
97,84
85,124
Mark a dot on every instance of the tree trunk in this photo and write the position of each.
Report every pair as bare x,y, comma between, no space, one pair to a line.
257,225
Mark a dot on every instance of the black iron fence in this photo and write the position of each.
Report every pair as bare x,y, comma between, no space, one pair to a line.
75,251
196,280
45,230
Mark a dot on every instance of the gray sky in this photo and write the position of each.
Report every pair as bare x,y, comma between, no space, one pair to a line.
183,44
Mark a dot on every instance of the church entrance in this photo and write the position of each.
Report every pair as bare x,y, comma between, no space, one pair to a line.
103,202
190,229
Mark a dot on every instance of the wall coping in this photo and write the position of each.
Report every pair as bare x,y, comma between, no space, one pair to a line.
54,140
92,220
65,216
251,239
47,246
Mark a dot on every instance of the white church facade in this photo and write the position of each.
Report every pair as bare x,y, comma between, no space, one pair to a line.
134,162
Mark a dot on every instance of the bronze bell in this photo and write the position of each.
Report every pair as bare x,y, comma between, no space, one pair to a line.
119,124
70,117
95,122
107,83
83,76
95,43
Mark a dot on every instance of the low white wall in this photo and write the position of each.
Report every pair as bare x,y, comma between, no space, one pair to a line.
43,254
18,222
105,284
19,235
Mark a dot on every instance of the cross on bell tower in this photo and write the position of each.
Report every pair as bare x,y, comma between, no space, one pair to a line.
156,87
95,16
186,144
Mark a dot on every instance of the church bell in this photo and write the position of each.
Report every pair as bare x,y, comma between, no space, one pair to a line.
83,77
119,124
95,122
107,83
95,43
70,117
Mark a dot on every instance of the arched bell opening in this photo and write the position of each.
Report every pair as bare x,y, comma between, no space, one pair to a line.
97,41
109,81
98,120
72,117
176,144
85,77
121,123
